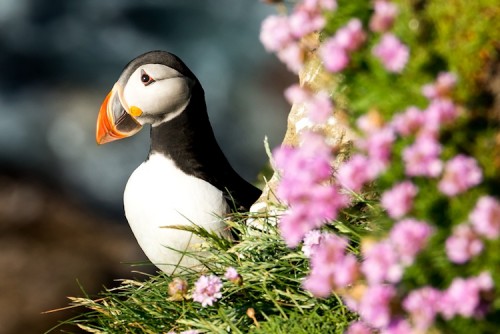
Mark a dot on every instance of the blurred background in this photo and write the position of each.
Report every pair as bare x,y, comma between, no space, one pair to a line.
62,227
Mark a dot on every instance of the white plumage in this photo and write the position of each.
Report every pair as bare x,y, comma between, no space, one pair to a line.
158,194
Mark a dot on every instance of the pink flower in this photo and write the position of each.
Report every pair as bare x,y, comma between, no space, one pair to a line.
383,18
370,122
399,199
320,4
351,36
292,56
408,122
275,33
207,290
422,158
334,56
439,113
442,88
392,53
409,237
312,201
460,174
311,242
297,94
232,275
335,51
485,217
381,263
354,173
295,224
398,326
463,244
378,146
463,297
346,271
331,267
303,22
423,306
358,327
320,107
308,164
375,306
484,281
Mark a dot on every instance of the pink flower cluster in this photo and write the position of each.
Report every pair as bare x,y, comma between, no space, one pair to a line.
460,174
464,297
422,157
442,88
389,50
374,308
399,200
335,51
364,168
233,276
392,53
385,261
463,244
384,15
305,187
485,217
313,200
484,221
331,267
282,34
318,105
427,122
207,290
378,146
356,172
312,240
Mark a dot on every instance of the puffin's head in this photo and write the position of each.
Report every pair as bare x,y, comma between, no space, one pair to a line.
153,88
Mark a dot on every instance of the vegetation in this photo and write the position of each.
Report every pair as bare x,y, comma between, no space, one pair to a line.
268,296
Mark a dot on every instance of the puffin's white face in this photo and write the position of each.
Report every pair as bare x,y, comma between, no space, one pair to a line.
153,94
156,93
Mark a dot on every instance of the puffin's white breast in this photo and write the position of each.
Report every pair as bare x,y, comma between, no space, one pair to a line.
159,194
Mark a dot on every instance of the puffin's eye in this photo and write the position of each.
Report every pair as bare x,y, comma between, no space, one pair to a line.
146,79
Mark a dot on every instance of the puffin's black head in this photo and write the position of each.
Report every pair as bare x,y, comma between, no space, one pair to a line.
153,88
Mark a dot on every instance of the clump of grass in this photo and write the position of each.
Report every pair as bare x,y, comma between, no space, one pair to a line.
269,299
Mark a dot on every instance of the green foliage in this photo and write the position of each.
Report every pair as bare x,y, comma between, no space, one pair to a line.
271,286
325,322
460,36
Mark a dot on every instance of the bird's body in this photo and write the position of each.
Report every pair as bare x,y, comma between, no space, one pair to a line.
158,194
186,179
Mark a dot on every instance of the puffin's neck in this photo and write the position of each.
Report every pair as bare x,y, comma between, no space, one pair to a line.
188,139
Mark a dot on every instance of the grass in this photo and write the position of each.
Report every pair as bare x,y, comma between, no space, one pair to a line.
269,299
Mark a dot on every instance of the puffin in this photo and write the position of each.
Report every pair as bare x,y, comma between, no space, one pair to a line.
186,179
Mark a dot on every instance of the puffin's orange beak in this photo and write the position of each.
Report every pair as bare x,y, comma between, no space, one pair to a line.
114,120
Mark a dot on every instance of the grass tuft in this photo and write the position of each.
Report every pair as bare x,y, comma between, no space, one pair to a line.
269,298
